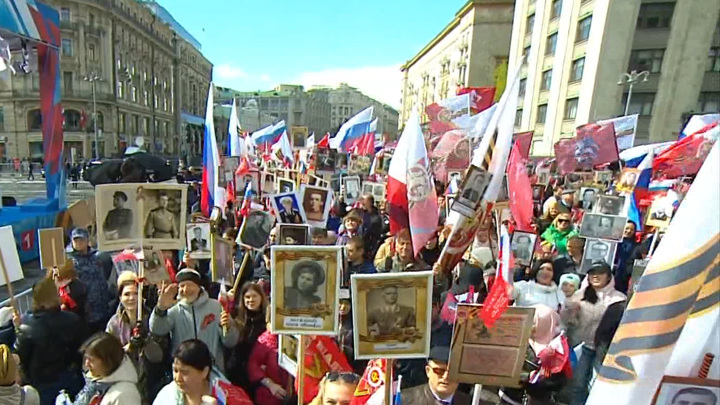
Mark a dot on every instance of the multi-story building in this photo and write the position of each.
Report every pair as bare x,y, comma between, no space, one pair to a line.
467,53
578,50
142,76
346,101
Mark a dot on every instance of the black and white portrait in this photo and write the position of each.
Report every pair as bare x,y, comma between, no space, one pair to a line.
119,220
163,212
198,240
305,289
288,353
293,234
390,311
341,162
471,191
252,177
325,161
285,185
687,391
268,183
352,189
543,175
523,244
118,212
537,192
222,259
154,267
588,195
597,250
316,204
597,226
603,176
287,208
256,229
609,204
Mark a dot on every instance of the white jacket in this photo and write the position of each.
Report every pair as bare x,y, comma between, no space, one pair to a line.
124,389
529,293
11,395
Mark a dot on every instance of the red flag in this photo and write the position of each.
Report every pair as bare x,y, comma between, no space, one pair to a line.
593,145
497,300
322,355
451,153
481,98
367,146
687,155
520,189
525,140
324,142
372,382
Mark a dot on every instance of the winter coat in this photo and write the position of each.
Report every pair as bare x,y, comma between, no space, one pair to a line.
582,318
529,293
171,394
119,388
91,274
263,363
559,238
421,395
120,327
199,320
17,395
48,343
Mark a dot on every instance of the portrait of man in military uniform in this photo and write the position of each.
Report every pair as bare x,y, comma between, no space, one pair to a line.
390,317
118,222
161,223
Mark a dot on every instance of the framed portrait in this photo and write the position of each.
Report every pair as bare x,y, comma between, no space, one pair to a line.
316,202
80,213
129,259
52,247
543,175
221,262
230,163
456,175
255,229
335,182
306,285
492,356
325,160
599,226
119,214
523,245
352,189
628,179
9,258
288,353
285,185
154,269
603,176
660,213
287,207
538,190
289,234
471,191
360,165
164,208
597,250
319,181
392,314
198,240
687,391
250,177
299,136
588,196
341,162
268,183
377,190
609,204
368,187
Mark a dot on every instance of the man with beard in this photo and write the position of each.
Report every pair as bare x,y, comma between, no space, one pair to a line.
307,276
160,223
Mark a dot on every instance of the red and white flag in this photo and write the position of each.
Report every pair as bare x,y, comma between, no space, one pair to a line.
411,194
371,388
520,190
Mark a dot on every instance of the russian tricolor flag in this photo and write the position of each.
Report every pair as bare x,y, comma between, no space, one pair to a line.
641,190
211,194
353,129
268,136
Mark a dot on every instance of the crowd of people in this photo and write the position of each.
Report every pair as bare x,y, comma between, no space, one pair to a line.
97,337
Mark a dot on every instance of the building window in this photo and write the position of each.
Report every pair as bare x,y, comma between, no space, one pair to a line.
34,120
650,60
713,61
35,79
145,97
576,71
551,44
571,108
556,9
2,119
91,51
100,121
583,29
64,14
91,19
530,22
709,102
655,15
526,52
518,117
546,80
121,123
640,103
145,125
67,47
521,87
167,128
133,94
541,114
121,89
71,120
68,81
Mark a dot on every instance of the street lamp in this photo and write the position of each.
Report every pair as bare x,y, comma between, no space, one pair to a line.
630,79
92,78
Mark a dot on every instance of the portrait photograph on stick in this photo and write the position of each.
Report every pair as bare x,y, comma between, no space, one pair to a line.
687,391
588,196
471,191
598,226
490,356
154,269
288,353
352,189
198,240
306,285
391,314
255,229
52,247
285,185
316,202
221,261
609,204
288,209
597,250
118,215
628,180
290,234
163,212
9,258
325,160
267,183
252,177
523,245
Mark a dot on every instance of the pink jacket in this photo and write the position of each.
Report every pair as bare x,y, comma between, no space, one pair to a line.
263,363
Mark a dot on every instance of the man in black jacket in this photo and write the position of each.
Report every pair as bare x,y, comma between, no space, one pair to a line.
371,227
439,389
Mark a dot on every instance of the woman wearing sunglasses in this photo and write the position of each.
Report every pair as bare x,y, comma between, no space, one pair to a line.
560,231
336,389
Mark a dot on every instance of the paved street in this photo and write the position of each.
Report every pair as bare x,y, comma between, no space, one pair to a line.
23,190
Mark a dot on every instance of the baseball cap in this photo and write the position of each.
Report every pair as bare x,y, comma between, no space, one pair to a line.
440,354
80,233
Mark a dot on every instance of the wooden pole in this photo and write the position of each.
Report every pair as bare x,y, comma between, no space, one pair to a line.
246,256
654,242
9,285
388,382
476,394
301,369
54,252
141,284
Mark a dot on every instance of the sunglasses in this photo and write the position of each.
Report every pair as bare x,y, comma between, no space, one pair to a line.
347,378
563,221
439,371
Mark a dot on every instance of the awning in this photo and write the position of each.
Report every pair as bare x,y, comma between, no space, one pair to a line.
192,119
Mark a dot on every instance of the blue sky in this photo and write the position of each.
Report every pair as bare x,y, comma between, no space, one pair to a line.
258,44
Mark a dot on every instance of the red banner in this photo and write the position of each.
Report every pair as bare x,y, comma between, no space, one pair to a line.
525,141
372,382
685,157
520,190
593,145
322,355
481,98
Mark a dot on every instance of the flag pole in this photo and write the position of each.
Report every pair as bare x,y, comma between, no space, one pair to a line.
388,381
301,369
246,256
476,394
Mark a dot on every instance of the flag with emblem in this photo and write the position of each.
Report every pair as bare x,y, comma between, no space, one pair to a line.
322,355
372,383
671,321
593,144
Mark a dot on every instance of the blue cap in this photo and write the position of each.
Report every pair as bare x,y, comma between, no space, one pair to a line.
80,233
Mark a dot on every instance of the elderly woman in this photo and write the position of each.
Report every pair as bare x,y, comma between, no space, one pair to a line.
307,276
560,231
541,289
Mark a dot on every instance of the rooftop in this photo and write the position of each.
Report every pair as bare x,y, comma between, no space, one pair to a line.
166,17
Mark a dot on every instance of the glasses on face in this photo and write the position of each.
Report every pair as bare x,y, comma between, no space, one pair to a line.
439,371
563,221
347,378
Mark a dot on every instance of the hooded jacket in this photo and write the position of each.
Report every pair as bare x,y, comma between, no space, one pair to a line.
90,272
199,320
559,238
17,395
528,293
583,322
119,388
